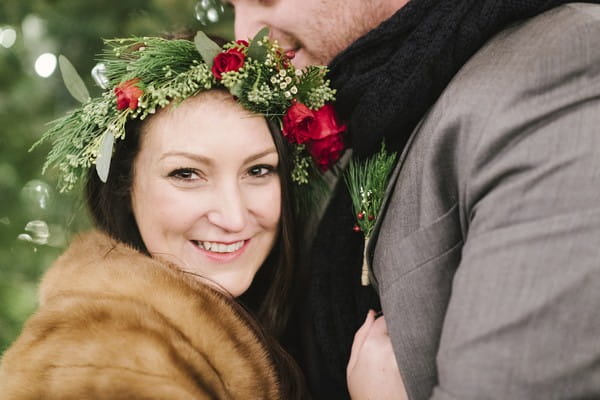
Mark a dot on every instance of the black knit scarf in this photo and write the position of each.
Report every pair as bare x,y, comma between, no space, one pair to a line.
386,81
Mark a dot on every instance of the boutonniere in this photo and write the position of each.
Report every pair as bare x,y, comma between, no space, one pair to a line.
367,181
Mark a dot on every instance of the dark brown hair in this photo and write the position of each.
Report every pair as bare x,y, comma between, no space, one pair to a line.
271,295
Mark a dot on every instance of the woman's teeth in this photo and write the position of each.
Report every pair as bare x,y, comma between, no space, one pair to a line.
221,247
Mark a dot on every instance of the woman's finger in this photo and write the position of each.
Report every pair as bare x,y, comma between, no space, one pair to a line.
359,338
379,326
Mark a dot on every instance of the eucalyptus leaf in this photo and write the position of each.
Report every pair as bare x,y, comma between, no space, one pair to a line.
255,51
206,47
72,80
104,155
236,89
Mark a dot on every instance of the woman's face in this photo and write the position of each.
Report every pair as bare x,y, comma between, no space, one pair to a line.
206,194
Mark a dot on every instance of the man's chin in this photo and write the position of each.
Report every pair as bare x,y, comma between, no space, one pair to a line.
303,59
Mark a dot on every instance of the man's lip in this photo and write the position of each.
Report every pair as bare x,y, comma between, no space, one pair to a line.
294,49
288,44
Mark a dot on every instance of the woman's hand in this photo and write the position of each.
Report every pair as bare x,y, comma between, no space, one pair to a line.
372,371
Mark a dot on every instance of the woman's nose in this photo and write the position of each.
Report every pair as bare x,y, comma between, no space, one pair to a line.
229,210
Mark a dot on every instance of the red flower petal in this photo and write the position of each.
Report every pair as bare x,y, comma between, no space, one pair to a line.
128,94
230,60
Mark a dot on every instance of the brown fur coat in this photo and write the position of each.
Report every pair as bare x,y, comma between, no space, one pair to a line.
116,324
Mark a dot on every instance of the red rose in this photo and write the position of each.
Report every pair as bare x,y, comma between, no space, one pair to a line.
328,121
128,93
242,42
325,152
301,125
298,123
231,60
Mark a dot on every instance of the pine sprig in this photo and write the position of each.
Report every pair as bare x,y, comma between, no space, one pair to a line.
149,59
366,183
74,141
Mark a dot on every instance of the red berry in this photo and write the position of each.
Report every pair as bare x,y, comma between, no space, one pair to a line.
371,217
356,228
360,215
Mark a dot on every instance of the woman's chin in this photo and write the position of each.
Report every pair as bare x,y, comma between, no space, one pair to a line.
234,289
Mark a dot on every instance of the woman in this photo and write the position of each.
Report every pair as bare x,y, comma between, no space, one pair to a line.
193,209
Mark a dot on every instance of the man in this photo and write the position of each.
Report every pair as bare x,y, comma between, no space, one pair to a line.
485,256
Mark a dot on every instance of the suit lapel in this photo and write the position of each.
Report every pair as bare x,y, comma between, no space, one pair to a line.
370,250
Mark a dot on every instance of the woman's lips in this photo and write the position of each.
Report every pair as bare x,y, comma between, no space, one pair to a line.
221,252
220,247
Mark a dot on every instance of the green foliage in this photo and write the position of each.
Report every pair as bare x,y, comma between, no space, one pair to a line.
73,81
30,206
313,189
207,48
147,64
367,181
314,94
256,51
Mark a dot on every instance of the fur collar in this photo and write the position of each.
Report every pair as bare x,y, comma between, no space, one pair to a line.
114,323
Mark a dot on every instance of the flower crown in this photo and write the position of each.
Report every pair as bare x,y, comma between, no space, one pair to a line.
145,74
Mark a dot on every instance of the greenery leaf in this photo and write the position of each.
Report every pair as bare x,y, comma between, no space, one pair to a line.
256,51
104,155
206,47
72,80
237,90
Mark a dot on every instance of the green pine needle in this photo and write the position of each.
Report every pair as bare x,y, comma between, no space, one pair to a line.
366,183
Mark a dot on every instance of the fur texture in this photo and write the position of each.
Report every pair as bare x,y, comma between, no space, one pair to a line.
116,324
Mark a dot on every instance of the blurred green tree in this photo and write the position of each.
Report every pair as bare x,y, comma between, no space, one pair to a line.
36,222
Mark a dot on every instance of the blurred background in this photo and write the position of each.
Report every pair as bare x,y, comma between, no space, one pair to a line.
36,222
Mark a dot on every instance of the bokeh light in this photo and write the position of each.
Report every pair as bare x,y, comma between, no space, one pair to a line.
8,36
209,11
33,27
45,65
37,232
36,195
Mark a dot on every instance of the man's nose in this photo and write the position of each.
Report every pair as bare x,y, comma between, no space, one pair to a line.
247,21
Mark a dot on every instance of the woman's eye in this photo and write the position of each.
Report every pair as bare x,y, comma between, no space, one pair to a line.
261,170
184,174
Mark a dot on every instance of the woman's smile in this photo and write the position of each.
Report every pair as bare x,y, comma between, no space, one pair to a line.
220,247
221,252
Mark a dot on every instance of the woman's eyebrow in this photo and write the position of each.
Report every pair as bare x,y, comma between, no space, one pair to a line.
261,154
206,160
192,156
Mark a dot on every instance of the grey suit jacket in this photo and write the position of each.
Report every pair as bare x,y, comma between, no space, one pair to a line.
487,260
